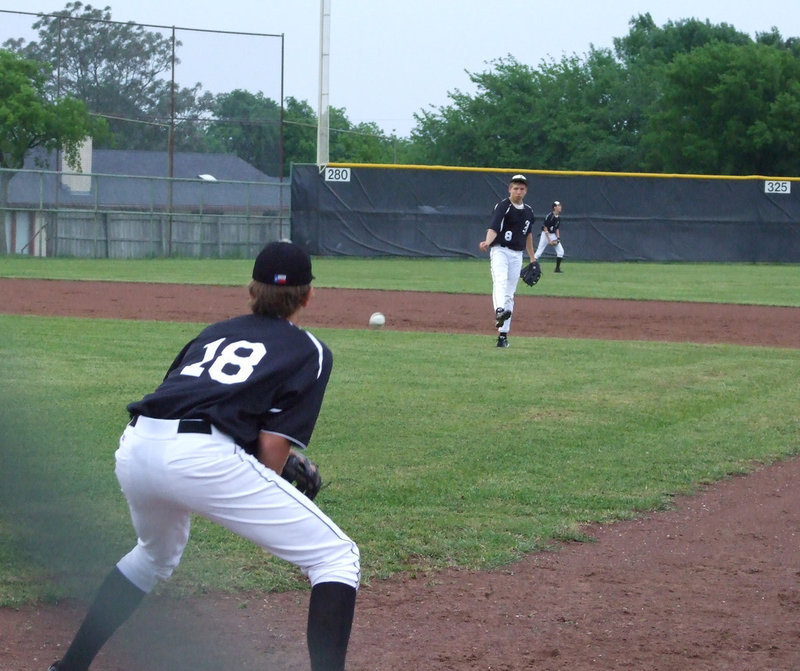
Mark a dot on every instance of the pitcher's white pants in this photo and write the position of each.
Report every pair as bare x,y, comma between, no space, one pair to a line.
166,476
505,265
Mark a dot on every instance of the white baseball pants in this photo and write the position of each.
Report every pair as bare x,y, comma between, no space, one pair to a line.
166,476
505,265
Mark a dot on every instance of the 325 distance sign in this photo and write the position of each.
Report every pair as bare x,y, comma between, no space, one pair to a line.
775,186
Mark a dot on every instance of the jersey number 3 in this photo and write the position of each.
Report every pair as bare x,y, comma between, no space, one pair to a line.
235,363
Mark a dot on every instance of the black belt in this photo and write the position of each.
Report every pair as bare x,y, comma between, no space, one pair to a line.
187,425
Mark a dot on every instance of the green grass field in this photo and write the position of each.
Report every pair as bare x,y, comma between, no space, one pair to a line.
472,468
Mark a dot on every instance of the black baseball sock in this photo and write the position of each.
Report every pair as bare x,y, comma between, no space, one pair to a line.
330,618
558,263
116,599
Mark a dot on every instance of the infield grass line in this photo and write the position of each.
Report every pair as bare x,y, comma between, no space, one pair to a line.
756,284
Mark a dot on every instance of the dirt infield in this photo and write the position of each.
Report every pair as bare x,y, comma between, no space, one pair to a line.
418,311
710,584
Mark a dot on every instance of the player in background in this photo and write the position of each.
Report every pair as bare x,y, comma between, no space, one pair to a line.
509,233
551,235
213,439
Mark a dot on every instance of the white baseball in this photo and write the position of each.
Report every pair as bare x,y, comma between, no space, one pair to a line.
377,320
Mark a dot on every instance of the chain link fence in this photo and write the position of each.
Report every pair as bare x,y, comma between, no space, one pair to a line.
62,214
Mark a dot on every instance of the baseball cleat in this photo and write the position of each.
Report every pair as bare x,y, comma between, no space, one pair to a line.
558,270
502,340
501,315
54,666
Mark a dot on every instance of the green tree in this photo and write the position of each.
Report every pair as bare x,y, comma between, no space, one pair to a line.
118,70
300,132
644,55
481,129
247,124
357,143
567,114
30,119
728,109
689,96
648,44
773,38
349,143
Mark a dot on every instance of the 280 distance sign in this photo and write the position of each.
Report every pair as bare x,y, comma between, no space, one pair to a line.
337,174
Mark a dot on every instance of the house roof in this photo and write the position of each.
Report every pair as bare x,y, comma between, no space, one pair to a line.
186,165
119,179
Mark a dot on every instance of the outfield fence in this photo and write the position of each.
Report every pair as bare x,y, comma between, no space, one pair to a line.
440,211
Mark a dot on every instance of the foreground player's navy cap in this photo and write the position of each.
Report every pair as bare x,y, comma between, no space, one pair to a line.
283,263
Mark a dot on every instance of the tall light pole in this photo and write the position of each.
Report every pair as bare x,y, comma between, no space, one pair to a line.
323,111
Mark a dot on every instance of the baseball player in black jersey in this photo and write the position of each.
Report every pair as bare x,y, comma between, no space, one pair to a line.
551,235
509,233
213,439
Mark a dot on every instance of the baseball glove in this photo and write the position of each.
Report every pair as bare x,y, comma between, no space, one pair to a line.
303,474
531,273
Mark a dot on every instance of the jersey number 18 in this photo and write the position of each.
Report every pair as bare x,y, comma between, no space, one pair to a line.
229,367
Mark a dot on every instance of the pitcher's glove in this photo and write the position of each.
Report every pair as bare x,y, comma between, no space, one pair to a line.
531,273
303,474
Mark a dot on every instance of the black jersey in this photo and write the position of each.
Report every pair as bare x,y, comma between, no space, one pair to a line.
512,224
552,222
245,375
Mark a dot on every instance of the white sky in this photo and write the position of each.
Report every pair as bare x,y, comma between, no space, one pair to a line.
389,60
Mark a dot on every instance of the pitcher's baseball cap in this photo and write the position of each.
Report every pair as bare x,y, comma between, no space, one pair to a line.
283,263
519,179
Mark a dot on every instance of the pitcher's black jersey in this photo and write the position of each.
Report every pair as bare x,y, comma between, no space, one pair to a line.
512,224
245,375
